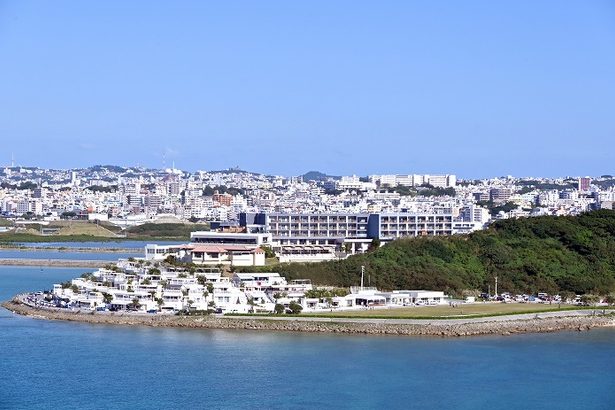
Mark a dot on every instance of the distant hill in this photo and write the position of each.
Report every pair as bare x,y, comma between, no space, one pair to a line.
317,176
529,255
110,168
234,171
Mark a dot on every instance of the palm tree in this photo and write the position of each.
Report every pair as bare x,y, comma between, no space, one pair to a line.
566,296
590,299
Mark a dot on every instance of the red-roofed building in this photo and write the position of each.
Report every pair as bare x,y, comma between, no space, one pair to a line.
234,255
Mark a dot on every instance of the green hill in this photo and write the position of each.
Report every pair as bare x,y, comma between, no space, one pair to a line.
528,255
317,176
178,231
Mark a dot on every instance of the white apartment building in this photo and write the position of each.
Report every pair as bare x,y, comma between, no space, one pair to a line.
412,180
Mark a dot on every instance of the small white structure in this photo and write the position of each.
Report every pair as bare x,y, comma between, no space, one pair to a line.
253,240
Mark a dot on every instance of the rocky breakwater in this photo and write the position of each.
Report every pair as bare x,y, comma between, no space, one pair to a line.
443,328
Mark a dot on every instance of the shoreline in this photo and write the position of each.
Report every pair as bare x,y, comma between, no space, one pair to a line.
502,325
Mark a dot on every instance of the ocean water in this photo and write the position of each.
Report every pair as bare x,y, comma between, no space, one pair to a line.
136,248
67,255
48,364
123,244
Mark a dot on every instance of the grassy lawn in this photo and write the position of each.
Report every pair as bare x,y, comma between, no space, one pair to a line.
478,309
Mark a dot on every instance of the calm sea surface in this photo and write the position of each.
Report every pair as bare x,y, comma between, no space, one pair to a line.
55,254
48,364
138,245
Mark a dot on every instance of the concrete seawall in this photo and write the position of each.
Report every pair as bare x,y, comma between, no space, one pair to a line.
444,328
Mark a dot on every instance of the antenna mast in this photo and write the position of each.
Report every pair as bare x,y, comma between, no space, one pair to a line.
362,274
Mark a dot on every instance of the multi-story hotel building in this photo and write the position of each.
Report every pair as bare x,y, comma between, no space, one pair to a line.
354,229
390,226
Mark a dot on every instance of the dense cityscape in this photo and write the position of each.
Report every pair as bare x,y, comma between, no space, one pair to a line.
133,196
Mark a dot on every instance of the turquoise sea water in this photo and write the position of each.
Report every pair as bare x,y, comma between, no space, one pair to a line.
47,364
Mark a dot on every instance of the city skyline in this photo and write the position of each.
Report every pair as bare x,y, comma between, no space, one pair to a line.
477,88
13,164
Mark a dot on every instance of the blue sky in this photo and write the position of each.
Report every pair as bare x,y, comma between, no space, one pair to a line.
476,88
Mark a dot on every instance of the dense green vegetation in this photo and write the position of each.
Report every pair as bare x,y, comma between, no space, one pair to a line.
222,189
549,254
165,230
538,185
100,188
495,209
22,186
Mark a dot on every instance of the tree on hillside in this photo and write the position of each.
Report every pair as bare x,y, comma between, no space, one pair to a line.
374,245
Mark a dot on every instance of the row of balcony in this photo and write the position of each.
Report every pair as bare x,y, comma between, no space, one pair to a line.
317,226
345,233
320,218
397,234
385,227
414,219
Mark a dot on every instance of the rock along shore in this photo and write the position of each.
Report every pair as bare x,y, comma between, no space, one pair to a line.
443,328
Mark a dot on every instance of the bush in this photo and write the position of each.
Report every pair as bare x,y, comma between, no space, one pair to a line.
295,308
269,253
278,309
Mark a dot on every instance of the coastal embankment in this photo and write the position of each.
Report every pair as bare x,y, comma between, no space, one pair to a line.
501,325
64,263
23,248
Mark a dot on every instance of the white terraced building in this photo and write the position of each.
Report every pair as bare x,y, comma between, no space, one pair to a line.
147,287
141,285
